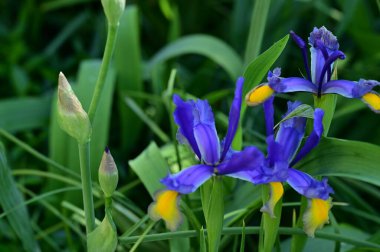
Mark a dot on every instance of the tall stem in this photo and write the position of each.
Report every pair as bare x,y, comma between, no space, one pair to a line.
108,51
88,203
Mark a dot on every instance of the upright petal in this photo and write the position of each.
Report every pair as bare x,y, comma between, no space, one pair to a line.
166,207
184,118
316,215
313,138
189,179
275,194
205,132
233,118
269,116
291,132
309,187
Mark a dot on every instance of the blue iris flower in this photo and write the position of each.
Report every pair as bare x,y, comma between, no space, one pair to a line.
197,130
284,151
324,49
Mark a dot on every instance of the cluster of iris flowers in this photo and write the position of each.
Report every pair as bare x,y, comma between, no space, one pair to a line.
196,128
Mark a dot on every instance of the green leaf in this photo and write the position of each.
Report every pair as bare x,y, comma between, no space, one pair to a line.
11,201
242,243
128,67
344,158
256,30
253,74
208,46
150,167
213,210
202,241
302,110
19,114
104,237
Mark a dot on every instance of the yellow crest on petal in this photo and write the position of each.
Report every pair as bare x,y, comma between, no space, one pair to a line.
373,100
316,215
259,95
166,207
276,192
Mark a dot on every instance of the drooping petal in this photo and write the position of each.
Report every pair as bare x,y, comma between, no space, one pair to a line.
313,138
293,84
276,192
372,99
233,118
184,118
166,207
259,94
316,215
205,132
291,132
269,116
306,185
189,179
248,159
349,89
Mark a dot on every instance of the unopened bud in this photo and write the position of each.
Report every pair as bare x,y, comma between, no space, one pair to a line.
71,116
113,10
108,174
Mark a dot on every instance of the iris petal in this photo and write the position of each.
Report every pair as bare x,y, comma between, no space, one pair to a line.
189,179
233,118
269,116
309,187
166,207
313,138
372,99
293,84
259,94
184,118
316,215
276,192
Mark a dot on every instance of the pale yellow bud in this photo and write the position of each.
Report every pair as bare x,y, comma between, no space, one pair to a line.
71,116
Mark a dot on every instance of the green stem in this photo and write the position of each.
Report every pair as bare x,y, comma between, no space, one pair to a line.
88,203
108,51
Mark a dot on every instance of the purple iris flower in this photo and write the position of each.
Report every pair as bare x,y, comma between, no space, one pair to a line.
196,124
324,50
284,151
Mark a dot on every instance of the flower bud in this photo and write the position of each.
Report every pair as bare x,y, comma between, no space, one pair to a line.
108,174
71,116
113,10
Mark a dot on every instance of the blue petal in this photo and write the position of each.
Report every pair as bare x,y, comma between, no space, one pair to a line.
278,172
292,84
269,115
208,143
308,186
291,133
325,36
314,137
248,159
349,89
184,118
188,180
233,118
205,132
275,151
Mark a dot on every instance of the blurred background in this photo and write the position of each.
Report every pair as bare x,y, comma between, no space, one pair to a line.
38,39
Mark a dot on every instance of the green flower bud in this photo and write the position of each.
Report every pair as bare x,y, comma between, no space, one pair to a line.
113,10
71,116
108,174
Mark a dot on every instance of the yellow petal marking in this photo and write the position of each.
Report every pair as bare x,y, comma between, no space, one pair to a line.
276,192
373,100
316,215
259,95
166,207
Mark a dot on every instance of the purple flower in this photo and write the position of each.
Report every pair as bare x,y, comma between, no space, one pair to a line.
284,151
324,50
197,130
